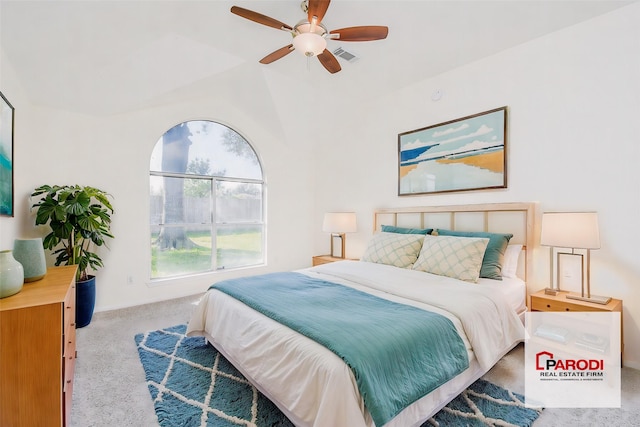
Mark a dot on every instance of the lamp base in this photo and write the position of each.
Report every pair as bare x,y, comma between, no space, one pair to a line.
551,291
593,298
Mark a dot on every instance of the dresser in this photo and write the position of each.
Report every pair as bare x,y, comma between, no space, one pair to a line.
38,351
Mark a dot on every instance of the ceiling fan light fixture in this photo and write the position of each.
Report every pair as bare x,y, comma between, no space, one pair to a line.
309,44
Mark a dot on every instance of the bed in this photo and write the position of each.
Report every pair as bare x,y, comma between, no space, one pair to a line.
315,386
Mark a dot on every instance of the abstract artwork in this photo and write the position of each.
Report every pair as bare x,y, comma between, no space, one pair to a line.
459,155
6,157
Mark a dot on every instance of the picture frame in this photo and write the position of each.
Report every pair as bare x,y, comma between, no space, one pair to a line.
6,157
469,153
570,271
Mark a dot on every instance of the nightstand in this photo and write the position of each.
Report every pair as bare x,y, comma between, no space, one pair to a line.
540,301
543,302
325,259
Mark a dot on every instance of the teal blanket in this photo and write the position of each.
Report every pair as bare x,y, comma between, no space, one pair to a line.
397,353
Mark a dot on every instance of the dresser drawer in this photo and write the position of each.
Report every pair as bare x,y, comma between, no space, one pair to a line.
69,314
66,402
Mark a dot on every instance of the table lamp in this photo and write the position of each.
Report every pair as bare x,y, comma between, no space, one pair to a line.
339,223
574,230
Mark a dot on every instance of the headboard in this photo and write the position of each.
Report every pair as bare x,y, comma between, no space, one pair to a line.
518,219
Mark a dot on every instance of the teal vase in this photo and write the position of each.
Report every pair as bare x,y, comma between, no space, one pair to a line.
11,274
30,253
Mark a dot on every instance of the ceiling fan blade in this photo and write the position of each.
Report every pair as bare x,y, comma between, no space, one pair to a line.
360,34
329,62
274,56
260,18
317,8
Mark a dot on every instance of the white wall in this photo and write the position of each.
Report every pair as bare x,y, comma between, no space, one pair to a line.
573,99
113,153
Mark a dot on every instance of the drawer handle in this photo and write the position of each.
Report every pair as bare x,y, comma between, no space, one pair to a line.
566,309
548,306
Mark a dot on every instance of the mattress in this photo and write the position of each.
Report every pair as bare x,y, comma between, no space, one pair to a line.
313,386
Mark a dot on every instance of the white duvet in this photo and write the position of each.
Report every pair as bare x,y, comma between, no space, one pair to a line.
313,386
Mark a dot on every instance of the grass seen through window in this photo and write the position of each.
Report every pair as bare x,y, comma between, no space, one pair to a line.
234,248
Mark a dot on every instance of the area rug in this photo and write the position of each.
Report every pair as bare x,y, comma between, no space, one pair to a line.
192,385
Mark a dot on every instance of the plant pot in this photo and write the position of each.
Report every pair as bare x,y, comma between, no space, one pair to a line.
85,301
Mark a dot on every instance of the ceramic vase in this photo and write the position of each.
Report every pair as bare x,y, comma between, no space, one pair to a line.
30,253
11,274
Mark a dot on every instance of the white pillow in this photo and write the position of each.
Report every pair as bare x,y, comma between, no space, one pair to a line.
452,256
399,250
510,265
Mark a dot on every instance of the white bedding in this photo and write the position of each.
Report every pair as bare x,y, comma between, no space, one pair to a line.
312,385
513,289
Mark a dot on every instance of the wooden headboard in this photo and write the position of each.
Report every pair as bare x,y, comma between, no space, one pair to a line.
518,219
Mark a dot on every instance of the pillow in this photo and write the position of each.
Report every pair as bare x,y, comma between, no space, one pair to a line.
511,256
399,250
494,255
452,256
403,230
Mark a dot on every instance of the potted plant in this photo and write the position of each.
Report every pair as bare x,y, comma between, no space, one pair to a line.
80,220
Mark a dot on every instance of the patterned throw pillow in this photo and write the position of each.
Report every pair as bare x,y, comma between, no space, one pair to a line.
399,250
493,256
457,257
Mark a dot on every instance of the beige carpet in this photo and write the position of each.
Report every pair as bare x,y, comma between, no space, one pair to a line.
110,390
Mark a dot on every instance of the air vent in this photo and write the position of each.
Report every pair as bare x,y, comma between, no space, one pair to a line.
347,56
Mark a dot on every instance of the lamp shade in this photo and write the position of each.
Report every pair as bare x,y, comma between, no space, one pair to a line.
339,222
30,253
570,230
309,44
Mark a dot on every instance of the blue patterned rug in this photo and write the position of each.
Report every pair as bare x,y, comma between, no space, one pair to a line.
193,385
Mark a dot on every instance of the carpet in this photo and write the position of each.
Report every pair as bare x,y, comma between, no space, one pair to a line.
192,385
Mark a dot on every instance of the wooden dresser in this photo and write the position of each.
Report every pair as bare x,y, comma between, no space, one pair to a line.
38,351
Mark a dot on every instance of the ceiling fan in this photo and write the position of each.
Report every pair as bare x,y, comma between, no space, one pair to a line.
310,35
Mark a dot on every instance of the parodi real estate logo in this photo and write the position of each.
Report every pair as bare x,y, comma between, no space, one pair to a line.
551,367
572,360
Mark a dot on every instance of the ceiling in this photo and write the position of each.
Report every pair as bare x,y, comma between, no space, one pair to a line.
106,57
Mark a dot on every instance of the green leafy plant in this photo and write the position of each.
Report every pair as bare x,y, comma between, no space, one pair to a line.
79,218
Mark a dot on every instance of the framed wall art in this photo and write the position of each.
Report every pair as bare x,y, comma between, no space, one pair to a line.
6,157
464,154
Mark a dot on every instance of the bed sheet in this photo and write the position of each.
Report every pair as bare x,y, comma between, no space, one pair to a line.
312,385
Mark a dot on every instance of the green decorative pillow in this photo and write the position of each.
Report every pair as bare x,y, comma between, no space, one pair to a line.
493,256
452,256
404,230
399,250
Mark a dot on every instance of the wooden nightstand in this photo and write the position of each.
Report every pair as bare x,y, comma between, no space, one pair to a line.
325,259
543,302
540,301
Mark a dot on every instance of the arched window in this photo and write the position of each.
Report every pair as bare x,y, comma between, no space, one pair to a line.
207,201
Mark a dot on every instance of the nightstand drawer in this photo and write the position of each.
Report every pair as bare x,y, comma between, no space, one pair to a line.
540,304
